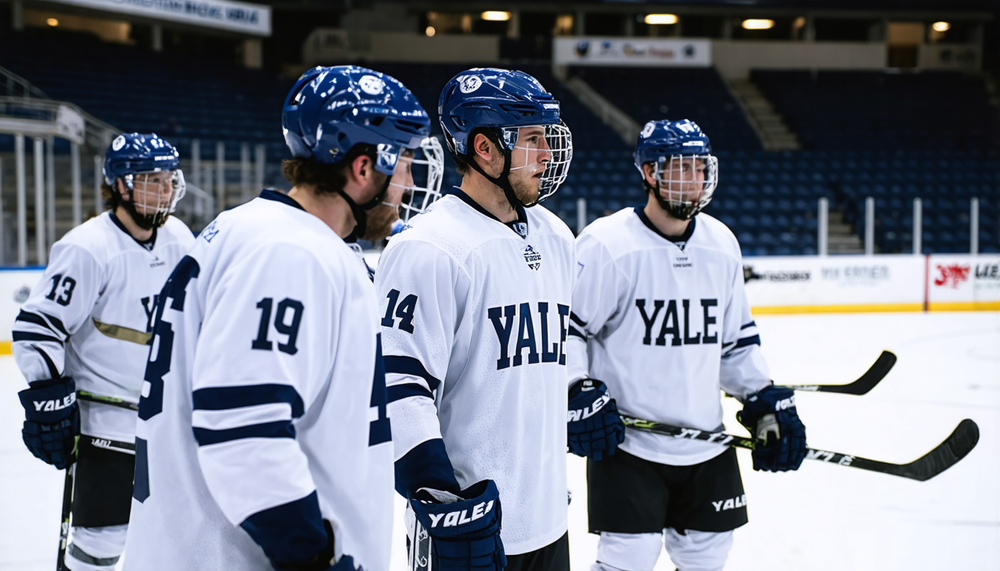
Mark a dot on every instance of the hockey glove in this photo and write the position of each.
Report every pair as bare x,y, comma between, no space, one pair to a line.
772,420
52,420
594,429
464,529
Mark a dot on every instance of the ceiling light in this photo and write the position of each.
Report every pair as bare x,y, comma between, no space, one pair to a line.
941,26
495,16
660,19
758,24
430,31
53,22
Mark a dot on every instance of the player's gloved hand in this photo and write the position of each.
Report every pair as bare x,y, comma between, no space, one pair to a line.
464,529
52,420
594,428
772,420
322,560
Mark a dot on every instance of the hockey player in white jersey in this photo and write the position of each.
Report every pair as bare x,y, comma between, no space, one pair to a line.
87,326
263,440
475,301
661,316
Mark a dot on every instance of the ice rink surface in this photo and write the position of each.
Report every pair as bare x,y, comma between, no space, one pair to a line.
821,518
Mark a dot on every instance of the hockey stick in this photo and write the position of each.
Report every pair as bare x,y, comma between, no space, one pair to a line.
865,382
67,503
112,401
419,552
942,457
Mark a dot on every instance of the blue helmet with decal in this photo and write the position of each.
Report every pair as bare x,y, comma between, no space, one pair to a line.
497,102
684,167
331,109
134,153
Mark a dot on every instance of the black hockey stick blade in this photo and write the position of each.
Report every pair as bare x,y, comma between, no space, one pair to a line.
943,456
112,401
865,382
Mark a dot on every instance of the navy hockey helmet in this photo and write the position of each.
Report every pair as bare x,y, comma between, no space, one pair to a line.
682,157
134,153
331,109
131,158
496,102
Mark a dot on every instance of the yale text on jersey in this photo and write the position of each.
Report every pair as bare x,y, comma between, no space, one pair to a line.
535,329
679,321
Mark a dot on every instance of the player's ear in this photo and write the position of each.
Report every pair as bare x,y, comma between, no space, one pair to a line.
483,147
120,186
362,168
649,172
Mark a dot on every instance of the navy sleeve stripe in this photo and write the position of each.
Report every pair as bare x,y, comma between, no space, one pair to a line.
410,366
28,317
400,392
751,324
576,319
576,332
56,322
724,345
755,340
25,336
279,429
290,533
224,398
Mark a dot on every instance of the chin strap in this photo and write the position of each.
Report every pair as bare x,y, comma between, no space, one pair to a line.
502,181
360,211
680,213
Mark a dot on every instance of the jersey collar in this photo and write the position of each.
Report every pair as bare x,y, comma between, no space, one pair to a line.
268,194
146,244
518,226
675,239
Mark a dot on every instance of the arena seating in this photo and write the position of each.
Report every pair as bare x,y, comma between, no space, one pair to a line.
865,134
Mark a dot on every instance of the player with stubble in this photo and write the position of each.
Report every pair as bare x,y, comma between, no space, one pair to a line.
475,301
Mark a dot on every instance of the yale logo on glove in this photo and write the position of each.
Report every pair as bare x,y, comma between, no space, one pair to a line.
461,517
785,404
52,405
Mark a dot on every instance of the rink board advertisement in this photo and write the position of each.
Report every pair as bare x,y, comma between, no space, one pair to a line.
774,285
15,287
616,51
958,282
836,284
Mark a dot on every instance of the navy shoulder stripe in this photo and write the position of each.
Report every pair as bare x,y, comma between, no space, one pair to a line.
751,324
754,340
223,398
410,366
25,336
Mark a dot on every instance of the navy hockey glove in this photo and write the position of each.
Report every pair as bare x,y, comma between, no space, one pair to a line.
594,429
52,420
771,418
464,529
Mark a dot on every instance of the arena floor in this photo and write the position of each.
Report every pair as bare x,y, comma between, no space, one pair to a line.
821,518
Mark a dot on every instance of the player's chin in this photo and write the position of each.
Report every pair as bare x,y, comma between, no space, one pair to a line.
379,223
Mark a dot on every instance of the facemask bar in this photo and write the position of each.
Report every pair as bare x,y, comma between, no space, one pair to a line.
427,170
677,176
559,140
148,199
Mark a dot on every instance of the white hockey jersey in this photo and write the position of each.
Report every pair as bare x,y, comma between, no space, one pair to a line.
665,325
474,325
92,313
264,385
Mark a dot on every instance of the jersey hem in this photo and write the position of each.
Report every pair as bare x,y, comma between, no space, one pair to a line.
673,459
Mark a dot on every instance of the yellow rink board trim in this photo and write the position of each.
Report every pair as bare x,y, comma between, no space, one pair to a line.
849,308
964,306
5,347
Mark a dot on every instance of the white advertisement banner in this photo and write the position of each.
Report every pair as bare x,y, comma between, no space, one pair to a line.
834,284
631,52
222,14
15,287
957,282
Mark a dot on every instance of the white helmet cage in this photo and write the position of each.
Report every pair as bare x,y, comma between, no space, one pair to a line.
147,198
427,169
677,176
559,140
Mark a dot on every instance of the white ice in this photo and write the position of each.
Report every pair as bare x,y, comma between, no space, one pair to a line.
821,518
